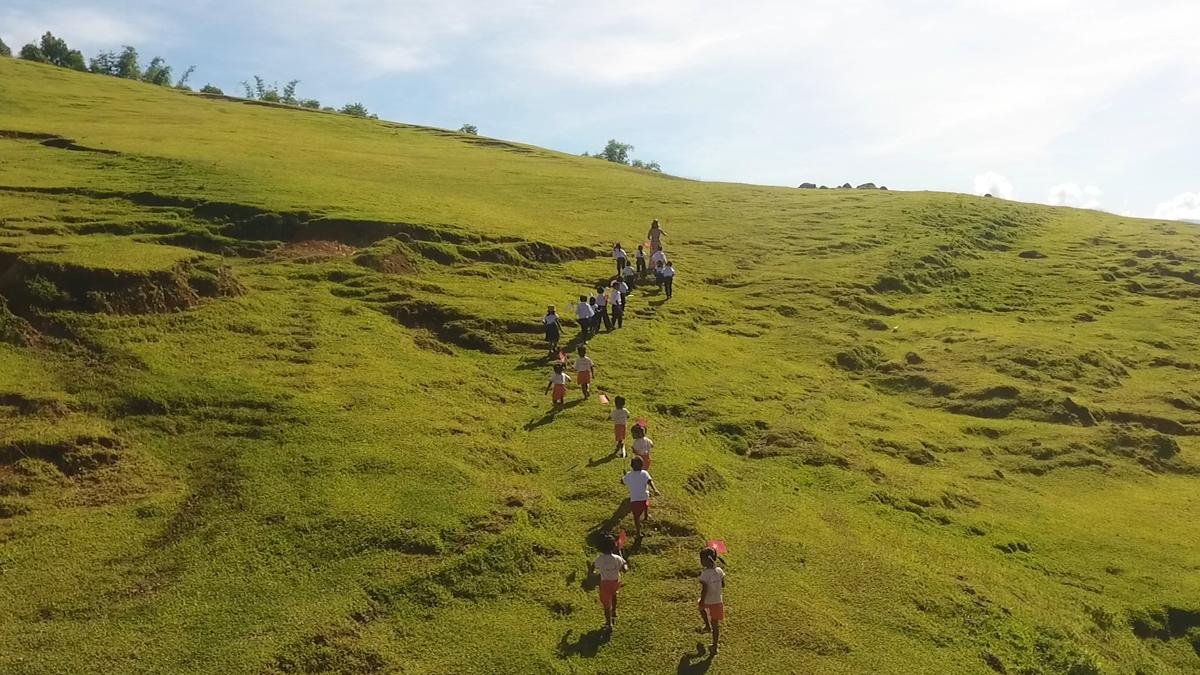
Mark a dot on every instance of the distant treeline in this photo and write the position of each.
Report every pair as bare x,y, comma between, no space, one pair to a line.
55,51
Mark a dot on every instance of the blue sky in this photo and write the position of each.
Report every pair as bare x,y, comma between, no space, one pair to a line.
1087,103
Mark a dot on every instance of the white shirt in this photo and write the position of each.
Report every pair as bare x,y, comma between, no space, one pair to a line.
637,482
609,566
559,378
622,287
583,365
584,311
619,253
601,300
713,588
668,271
658,256
620,416
550,319
642,446
641,254
627,271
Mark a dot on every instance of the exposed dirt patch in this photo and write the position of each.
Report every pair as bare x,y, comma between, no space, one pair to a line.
705,480
314,250
73,457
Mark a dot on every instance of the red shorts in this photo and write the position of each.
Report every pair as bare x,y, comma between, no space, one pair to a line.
619,432
715,612
639,509
608,592
584,377
560,391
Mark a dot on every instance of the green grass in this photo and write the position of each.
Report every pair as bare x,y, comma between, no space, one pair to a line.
926,452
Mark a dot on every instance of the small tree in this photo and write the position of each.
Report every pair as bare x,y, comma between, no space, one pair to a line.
310,103
30,52
4,50
616,151
649,166
158,72
210,89
127,64
469,129
104,63
289,92
182,82
355,109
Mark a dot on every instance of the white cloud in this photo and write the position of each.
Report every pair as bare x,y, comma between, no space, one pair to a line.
1073,194
1185,206
83,28
994,184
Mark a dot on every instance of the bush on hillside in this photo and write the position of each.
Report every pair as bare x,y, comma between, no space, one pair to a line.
30,52
618,153
158,72
469,129
111,63
181,83
210,89
4,49
311,103
355,109
55,51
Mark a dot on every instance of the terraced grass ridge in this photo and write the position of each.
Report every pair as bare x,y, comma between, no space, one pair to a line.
272,400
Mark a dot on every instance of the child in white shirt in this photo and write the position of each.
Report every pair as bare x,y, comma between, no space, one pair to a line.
620,418
585,370
610,565
642,445
558,383
712,600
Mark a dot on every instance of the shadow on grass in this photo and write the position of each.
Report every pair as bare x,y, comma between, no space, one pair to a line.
538,362
551,414
586,645
593,463
695,662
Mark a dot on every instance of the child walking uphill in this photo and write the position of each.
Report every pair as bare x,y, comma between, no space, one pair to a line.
609,564
642,445
712,600
584,313
558,383
585,370
619,255
553,329
641,486
668,275
641,260
620,418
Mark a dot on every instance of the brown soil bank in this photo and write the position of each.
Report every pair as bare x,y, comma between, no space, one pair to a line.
31,286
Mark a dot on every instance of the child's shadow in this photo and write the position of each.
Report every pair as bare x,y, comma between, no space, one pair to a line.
536,362
551,414
593,463
587,645
695,663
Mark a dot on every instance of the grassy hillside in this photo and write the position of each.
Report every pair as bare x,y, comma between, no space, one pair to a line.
271,401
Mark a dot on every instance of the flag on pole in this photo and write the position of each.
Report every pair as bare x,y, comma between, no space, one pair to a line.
621,539
717,545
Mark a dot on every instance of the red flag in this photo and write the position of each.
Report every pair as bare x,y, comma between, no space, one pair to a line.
717,545
621,538
603,399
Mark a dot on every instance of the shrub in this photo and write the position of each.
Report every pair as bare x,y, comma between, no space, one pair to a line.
4,49
30,52
355,109
127,64
158,72
310,103
210,89
469,129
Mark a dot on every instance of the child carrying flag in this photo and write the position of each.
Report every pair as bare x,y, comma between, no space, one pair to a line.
712,600
584,371
641,486
620,418
610,565
558,383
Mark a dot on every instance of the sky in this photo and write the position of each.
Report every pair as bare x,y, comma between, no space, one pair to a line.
1089,103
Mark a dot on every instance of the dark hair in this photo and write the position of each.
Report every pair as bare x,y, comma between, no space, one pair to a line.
608,544
558,367
583,298
638,431
708,556
653,222
637,464
582,349
620,401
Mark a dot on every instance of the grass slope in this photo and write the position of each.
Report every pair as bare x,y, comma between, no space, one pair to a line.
271,400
